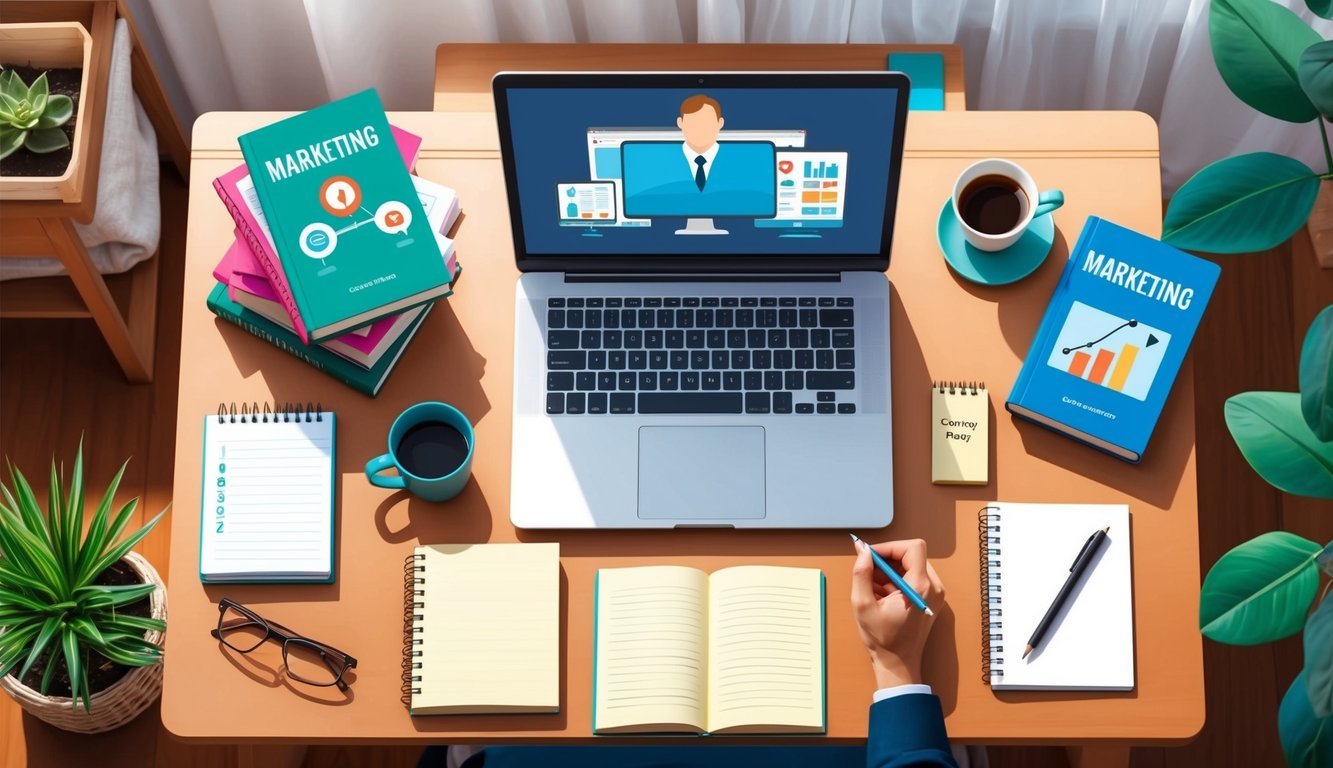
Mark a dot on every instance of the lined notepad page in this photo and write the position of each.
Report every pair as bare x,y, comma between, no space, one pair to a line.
766,649
489,626
651,649
267,500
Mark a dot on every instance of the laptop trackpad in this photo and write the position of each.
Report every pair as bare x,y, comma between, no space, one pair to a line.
694,473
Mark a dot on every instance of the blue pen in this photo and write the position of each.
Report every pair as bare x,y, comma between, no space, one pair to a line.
897,580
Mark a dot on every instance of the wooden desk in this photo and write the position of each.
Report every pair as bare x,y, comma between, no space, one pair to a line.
463,71
1105,162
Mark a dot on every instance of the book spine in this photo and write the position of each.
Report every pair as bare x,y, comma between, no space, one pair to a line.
288,287
992,607
300,352
270,265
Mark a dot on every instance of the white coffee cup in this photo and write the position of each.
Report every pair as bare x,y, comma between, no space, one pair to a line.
1031,204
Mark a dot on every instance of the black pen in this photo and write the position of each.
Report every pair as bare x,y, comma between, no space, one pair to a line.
1076,570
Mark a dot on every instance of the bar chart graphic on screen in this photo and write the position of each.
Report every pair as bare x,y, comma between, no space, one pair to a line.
1119,353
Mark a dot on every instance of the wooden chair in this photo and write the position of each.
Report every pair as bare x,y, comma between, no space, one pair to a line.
123,306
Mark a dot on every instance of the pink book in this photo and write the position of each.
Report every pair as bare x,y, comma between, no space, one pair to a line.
238,194
362,345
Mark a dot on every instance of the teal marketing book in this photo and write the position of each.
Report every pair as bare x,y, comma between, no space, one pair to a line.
367,381
1113,338
348,225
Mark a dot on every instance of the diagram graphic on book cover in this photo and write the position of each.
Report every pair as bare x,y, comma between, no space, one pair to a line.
1122,354
341,196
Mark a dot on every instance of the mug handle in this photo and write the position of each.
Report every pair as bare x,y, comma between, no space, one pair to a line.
1048,201
377,465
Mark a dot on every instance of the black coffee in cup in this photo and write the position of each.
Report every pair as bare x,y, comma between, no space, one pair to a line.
432,449
993,204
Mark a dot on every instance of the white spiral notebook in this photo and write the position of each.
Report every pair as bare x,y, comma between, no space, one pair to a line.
1026,554
267,512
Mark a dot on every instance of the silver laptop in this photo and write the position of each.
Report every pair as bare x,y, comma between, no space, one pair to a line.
701,331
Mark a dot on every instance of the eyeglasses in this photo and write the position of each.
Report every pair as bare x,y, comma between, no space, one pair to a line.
306,660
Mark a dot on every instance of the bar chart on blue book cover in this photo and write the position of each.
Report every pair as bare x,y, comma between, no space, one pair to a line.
1122,354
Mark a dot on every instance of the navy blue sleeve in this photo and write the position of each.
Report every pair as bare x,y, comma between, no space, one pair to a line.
907,731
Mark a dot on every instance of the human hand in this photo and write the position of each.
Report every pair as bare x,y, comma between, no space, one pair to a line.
893,631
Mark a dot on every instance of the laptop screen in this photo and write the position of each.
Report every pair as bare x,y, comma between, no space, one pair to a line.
800,166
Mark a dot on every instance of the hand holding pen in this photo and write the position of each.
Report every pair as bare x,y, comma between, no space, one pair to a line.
892,626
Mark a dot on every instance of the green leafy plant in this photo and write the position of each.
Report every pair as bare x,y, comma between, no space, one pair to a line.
1276,64
30,116
48,598
1262,589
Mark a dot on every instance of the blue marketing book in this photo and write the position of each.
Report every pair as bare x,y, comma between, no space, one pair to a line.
1113,338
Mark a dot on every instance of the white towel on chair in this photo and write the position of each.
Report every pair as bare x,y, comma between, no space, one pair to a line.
128,221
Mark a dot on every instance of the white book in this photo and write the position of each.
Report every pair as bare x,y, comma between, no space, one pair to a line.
1027,553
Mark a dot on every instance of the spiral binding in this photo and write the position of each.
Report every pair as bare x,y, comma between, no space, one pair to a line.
959,387
992,612
414,593
250,413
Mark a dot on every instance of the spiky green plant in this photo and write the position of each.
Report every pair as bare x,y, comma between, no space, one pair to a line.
47,595
30,116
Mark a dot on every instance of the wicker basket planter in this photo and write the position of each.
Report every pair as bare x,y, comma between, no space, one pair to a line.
118,704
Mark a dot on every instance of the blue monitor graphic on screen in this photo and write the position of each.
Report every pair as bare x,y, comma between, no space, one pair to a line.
669,179
638,170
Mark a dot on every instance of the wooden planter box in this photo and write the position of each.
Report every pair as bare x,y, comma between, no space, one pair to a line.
51,45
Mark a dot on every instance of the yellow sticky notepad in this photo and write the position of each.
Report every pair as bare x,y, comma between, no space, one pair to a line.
960,433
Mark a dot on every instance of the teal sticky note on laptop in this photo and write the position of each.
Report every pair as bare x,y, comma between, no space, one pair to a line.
926,71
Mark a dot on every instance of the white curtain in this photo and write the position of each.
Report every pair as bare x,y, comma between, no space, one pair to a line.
1150,55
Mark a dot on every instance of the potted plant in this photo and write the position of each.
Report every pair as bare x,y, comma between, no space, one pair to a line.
55,57
32,118
81,616
1262,590
1276,64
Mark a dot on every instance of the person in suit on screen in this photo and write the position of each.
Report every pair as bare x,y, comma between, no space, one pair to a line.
700,121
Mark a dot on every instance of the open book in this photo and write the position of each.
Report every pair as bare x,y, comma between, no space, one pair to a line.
679,651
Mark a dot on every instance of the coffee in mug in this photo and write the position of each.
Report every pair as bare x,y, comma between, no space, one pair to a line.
432,449
993,204
431,445
995,201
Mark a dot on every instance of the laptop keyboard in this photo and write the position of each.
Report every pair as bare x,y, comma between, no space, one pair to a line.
700,355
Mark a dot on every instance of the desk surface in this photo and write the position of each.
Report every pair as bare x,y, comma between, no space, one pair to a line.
1106,163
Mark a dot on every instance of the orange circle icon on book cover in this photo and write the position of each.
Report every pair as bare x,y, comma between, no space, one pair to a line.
340,195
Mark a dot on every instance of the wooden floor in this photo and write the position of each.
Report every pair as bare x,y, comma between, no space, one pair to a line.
58,382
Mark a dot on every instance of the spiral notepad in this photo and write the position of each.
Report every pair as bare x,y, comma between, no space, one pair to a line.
481,629
1026,554
960,433
267,513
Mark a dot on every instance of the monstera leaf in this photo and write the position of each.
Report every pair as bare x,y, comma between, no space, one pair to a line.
1241,204
1319,658
1272,435
1307,740
1257,46
1322,8
1316,375
1315,73
1260,590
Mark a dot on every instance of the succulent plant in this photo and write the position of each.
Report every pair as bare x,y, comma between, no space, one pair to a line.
31,116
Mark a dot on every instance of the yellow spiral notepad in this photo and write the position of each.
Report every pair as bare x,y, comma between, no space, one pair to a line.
960,433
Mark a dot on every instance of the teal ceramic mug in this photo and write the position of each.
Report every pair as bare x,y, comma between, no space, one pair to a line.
431,446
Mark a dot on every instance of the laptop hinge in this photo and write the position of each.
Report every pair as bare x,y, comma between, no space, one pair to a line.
612,277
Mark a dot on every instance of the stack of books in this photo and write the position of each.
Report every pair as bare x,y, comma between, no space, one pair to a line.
340,251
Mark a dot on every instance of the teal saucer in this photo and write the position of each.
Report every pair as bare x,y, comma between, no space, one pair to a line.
1001,267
